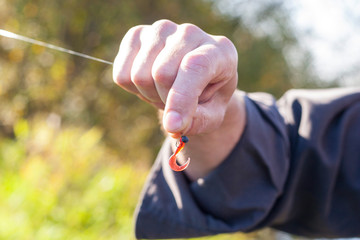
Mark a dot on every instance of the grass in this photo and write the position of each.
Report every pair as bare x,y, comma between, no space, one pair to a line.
65,183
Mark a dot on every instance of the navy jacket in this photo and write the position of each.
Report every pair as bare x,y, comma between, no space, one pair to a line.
296,169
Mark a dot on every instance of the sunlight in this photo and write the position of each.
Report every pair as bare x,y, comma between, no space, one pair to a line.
330,30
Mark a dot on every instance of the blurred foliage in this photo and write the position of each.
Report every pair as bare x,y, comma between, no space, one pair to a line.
64,184
74,148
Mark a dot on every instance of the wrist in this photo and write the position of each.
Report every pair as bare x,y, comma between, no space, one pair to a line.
209,150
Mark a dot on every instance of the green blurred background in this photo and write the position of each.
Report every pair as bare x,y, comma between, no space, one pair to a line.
74,148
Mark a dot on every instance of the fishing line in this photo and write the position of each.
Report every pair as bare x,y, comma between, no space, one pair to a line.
172,161
11,35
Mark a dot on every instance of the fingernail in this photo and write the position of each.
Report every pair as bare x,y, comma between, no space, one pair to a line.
173,122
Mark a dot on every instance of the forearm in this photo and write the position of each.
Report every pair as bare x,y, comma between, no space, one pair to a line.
238,190
209,150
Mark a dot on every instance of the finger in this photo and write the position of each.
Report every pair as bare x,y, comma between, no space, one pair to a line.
123,62
165,69
193,75
153,41
201,90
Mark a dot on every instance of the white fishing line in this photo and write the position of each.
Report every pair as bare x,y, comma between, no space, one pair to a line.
8,34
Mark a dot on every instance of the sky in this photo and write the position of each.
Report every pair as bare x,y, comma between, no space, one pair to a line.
330,29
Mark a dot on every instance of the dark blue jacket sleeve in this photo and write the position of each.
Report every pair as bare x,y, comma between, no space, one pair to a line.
296,168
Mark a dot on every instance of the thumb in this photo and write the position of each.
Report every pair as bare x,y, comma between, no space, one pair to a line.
182,101
178,112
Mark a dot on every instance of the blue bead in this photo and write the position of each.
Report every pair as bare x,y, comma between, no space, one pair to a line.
184,139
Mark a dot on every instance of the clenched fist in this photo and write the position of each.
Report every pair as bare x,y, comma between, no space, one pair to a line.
179,68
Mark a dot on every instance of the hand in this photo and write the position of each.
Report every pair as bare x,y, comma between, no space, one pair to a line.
179,68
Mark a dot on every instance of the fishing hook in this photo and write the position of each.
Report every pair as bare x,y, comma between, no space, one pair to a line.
172,160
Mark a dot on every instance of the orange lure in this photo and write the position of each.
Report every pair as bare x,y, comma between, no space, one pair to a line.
172,161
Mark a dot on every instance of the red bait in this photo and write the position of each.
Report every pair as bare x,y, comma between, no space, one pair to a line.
172,161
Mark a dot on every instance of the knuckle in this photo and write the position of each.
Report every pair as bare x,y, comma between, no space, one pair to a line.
132,37
224,41
162,29
121,80
196,63
140,79
162,76
180,98
188,30
135,30
227,47
163,24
